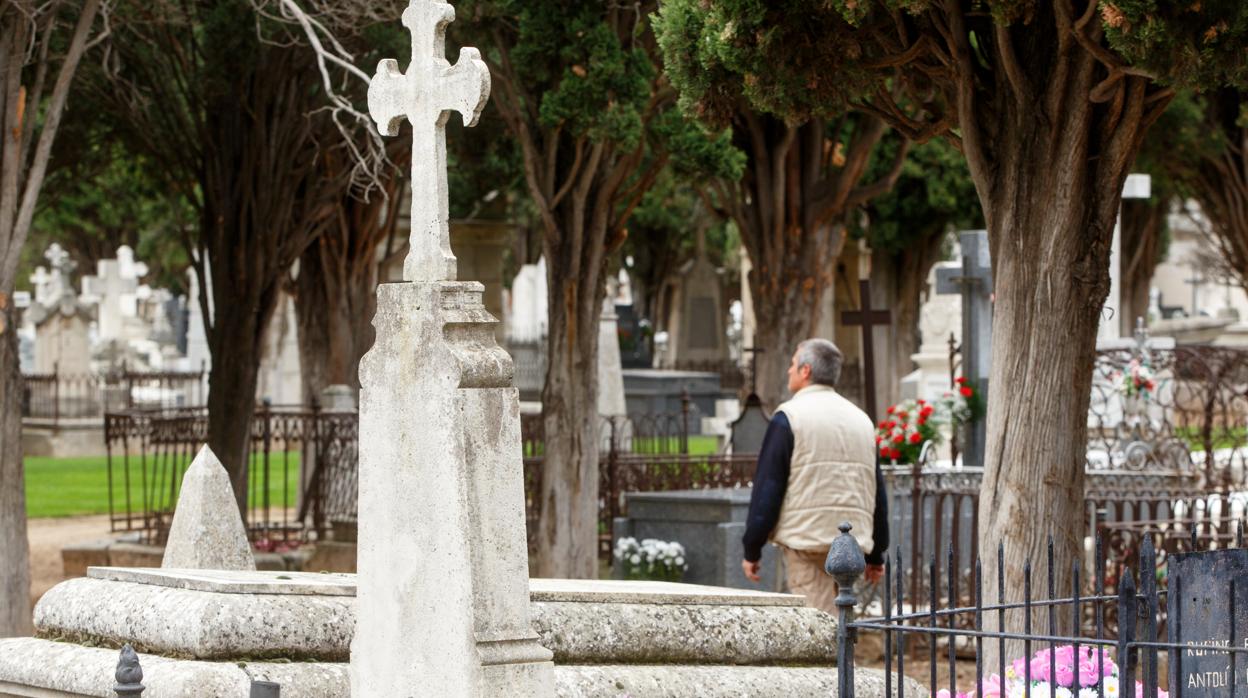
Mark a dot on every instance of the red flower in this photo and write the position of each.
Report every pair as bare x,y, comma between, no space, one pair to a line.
878,439
891,409
922,421
916,437
899,439
926,411
966,391
960,380
894,453
884,450
902,414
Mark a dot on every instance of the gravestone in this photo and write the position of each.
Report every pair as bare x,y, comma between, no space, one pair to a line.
61,322
695,327
973,280
116,290
207,532
1207,607
709,524
750,428
610,365
443,566
634,347
197,352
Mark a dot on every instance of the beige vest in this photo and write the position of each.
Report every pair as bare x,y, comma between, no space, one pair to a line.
832,473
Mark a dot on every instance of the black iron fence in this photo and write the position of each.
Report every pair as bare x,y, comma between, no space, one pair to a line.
52,397
301,470
1178,628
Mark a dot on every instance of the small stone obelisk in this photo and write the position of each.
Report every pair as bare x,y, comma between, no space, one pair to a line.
207,532
443,596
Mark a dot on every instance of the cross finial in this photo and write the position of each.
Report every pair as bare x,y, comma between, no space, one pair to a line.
424,95
58,257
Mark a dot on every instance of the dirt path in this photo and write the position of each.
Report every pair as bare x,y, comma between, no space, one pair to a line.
48,536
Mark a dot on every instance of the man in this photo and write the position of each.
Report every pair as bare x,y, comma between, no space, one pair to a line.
816,469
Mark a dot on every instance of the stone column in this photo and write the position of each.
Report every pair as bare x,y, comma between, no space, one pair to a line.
443,559
443,589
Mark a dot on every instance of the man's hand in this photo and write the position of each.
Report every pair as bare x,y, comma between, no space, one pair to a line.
751,570
874,574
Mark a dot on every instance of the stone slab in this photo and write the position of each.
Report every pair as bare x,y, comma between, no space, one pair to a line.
34,668
233,582
653,593
540,590
199,624
193,614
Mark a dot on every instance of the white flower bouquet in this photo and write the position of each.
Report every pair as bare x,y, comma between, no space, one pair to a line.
651,559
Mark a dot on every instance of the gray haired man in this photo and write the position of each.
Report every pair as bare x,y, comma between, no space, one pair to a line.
817,467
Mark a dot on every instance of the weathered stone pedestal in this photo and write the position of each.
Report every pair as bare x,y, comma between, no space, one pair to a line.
442,558
207,634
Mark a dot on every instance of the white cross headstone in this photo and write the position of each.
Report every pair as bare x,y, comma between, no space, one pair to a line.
41,280
425,95
443,590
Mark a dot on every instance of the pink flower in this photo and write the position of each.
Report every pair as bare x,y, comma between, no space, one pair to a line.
1139,691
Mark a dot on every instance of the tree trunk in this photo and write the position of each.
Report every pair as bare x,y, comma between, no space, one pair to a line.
569,490
334,313
897,283
779,332
796,187
1143,224
1050,285
236,348
15,617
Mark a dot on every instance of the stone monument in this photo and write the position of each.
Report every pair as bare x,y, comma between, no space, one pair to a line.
207,532
440,480
973,280
695,327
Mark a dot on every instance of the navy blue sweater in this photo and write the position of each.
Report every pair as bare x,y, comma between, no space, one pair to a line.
772,479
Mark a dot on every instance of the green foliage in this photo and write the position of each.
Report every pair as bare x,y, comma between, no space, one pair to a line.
586,79
99,196
934,194
793,58
1189,43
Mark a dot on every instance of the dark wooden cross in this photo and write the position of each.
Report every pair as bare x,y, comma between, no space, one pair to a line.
867,318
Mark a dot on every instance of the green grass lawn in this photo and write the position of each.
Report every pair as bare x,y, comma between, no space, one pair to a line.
58,487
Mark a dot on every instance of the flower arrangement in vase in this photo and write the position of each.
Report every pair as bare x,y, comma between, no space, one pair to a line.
651,559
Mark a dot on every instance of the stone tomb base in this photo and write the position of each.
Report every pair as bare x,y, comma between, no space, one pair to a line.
208,634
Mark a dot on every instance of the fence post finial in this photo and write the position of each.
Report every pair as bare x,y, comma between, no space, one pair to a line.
846,564
129,674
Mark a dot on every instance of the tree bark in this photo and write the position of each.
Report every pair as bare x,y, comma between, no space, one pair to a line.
1143,226
15,617
569,491
898,281
798,183
1049,167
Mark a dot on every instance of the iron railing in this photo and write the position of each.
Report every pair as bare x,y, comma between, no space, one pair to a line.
1139,623
53,397
301,470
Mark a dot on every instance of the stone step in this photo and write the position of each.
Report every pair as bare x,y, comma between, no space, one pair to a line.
35,668
257,615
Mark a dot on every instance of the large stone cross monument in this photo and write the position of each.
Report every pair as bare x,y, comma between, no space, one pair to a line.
443,597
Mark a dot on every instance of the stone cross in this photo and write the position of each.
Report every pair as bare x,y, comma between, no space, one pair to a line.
1196,280
41,280
974,282
868,319
424,95
57,256
443,586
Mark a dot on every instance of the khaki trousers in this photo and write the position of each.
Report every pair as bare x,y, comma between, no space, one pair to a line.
803,571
